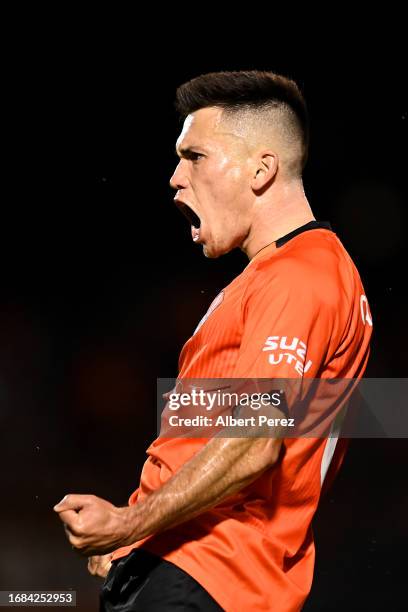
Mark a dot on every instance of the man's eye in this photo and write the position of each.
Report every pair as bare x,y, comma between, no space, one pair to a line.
195,156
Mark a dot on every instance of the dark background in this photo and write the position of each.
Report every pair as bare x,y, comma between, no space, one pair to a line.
101,284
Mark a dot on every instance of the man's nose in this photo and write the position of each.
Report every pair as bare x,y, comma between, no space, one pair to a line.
179,178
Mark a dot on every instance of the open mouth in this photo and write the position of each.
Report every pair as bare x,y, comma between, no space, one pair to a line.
190,215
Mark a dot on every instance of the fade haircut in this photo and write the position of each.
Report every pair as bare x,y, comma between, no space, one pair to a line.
260,99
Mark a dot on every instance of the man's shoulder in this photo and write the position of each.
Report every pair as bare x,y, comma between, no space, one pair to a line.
312,266
308,257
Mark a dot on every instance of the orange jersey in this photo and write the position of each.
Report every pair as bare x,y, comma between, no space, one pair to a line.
297,310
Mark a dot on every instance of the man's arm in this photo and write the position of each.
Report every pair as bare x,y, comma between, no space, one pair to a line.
223,467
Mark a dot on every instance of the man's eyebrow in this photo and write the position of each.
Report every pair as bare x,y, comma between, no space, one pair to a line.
185,151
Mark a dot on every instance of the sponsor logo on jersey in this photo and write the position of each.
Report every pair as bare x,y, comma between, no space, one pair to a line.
285,349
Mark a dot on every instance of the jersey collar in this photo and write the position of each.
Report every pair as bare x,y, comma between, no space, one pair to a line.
303,228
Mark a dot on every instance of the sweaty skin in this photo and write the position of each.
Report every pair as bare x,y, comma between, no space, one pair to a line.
223,467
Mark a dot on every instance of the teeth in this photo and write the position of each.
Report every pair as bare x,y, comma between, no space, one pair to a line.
196,234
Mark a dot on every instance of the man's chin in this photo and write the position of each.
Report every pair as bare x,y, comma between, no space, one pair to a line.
209,253
212,252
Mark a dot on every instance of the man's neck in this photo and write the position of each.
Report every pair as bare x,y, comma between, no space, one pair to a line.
275,217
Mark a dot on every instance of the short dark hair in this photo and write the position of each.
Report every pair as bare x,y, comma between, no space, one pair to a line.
246,89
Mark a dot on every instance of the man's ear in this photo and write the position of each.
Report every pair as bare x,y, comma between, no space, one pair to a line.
265,170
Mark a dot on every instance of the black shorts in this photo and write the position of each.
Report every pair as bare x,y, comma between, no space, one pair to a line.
144,582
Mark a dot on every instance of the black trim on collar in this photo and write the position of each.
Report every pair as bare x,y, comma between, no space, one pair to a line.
303,228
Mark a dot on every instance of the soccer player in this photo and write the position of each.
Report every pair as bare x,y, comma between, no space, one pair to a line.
225,523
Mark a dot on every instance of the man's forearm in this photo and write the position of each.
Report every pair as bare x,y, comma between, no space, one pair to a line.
223,467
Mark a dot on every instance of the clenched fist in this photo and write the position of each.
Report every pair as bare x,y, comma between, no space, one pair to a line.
93,525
